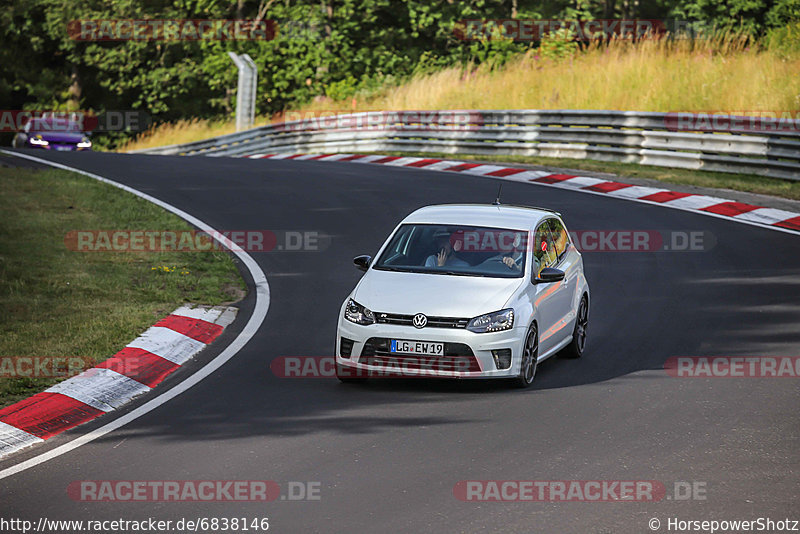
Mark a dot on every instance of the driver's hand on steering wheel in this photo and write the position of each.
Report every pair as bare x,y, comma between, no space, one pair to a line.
510,263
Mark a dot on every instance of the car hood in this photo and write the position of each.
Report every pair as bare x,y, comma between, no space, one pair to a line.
434,294
59,137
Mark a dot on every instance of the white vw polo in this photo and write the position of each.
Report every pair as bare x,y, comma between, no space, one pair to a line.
466,291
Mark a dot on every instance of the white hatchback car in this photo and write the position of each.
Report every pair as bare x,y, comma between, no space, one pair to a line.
466,291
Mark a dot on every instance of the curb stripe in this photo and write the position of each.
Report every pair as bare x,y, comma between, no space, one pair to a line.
576,182
140,365
665,196
168,344
13,439
207,314
507,171
424,162
386,159
46,414
462,167
553,178
791,224
197,329
731,209
403,162
695,202
608,187
483,170
100,388
634,191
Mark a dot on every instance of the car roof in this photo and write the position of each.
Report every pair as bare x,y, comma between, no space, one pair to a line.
490,215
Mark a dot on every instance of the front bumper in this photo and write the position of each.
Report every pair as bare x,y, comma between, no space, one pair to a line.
467,354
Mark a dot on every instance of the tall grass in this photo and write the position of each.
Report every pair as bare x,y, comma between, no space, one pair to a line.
183,131
721,74
724,73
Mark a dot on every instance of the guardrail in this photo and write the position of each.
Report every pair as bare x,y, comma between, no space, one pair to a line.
622,136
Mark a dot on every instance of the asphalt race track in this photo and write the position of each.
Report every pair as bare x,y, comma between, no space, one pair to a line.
387,454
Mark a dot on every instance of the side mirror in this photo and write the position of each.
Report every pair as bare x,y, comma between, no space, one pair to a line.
549,275
362,262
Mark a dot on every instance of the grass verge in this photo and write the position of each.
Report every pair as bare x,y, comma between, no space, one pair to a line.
748,183
55,302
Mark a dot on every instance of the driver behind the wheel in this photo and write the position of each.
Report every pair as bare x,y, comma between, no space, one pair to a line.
447,245
513,259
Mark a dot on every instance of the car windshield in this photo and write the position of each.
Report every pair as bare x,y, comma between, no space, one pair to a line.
456,250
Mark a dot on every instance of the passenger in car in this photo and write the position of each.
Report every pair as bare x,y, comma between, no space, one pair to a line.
447,245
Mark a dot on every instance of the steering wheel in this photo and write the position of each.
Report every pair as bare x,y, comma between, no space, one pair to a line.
500,259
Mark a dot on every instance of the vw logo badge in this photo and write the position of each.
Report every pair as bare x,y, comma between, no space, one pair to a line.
420,320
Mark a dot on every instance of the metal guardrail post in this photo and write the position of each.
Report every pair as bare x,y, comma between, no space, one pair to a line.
246,90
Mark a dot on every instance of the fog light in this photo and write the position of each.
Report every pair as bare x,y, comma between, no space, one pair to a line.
346,347
502,358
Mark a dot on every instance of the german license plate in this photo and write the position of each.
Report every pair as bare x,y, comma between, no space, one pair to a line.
425,348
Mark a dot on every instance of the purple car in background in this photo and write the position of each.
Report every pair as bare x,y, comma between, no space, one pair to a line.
52,134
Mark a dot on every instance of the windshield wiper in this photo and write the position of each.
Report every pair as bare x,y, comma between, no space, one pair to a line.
458,273
396,269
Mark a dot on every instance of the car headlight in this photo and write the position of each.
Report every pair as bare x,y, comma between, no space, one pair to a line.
492,322
85,143
38,141
356,313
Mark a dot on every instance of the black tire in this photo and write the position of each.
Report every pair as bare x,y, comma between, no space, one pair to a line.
578,343
346,375
530,354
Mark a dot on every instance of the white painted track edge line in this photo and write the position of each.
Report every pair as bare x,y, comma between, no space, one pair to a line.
260,308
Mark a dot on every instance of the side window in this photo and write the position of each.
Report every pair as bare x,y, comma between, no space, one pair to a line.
560,236
544,251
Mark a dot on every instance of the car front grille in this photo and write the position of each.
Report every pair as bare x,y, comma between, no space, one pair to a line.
433,322
457,357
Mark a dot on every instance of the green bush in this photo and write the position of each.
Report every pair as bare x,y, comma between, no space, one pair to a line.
559,45
784,40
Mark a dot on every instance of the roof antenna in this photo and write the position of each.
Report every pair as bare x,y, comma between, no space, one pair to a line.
499,192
